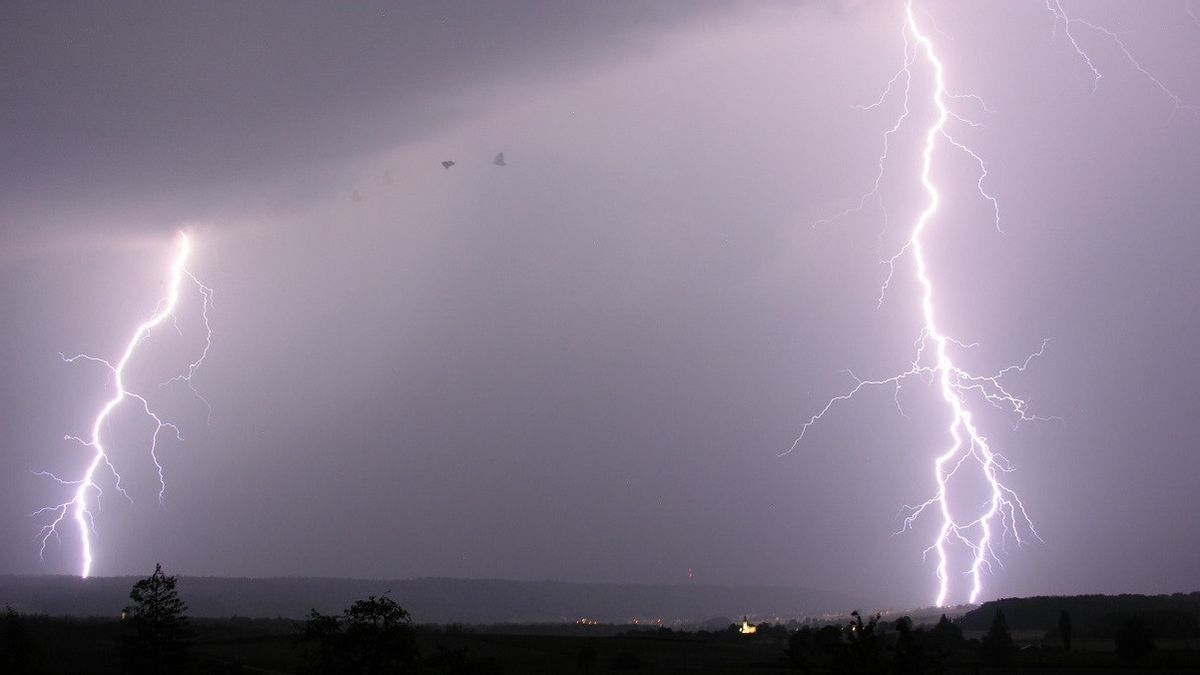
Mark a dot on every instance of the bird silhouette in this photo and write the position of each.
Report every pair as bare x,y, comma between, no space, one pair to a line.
499,161
447,164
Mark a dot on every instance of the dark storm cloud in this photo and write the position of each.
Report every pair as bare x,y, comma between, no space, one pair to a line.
121,102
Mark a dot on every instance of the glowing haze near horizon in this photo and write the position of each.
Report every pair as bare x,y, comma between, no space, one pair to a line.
583,365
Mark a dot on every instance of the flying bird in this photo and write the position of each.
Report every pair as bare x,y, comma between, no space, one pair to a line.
447,164
499,161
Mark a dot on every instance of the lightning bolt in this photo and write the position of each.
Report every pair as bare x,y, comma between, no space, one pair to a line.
1002,513
86,488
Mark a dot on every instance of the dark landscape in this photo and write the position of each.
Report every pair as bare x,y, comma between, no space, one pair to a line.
68,625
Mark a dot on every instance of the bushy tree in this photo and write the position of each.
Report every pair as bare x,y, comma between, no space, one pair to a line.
372,636
159,635
997,646
863,646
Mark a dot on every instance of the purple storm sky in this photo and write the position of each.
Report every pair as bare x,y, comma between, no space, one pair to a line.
583,365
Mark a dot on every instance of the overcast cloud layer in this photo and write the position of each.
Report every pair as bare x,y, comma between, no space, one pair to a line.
583,365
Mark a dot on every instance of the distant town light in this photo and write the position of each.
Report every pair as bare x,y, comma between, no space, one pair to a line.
746,628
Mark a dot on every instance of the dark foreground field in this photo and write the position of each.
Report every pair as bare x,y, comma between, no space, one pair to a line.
1078,634
240,645
245,645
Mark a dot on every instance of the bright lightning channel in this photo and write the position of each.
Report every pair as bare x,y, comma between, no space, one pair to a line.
1003,511
968,450
86,488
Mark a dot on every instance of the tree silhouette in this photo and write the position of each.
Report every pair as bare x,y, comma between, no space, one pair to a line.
1064,629
945,635
997,646
372,636
863,645
160,635
909,653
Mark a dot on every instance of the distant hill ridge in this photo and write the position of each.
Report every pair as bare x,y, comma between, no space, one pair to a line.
1174,615
430,600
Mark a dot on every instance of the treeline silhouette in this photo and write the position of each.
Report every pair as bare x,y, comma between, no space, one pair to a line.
376,634
1174,616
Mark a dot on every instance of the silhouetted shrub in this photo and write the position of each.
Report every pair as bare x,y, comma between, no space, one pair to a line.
372,636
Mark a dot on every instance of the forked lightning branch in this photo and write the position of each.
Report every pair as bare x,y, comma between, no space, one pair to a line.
85,491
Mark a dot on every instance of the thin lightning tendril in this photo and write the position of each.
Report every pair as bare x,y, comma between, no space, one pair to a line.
1055,7
77,507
